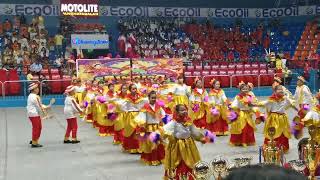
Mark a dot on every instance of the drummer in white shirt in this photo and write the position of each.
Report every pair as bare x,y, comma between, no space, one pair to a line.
34,109
71,108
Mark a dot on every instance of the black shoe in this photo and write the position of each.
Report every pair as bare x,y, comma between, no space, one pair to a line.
75,142
30,142
66,141
36,146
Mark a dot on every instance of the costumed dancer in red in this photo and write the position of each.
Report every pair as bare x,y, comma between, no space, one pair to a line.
198,98
149,127
217,110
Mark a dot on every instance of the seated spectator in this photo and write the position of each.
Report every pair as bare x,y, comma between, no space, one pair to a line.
36,67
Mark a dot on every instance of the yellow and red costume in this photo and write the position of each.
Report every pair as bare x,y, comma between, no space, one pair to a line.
119,123
277,118
217,122
180,95
89,99
166,95
149,120
132,106
198,107
243,128
181,152
313,118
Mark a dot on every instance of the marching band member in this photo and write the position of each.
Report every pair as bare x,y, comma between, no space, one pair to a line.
71,107
242,125
217,110
303,97
181,151
313,118
34,109
148,121
276,106
180,93
118,125
198,97
132,105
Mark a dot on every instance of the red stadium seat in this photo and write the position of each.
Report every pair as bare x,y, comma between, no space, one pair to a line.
263,66
196,73
247,66
198,68
189,80
231,72
214,72
205,73
187,73
207,67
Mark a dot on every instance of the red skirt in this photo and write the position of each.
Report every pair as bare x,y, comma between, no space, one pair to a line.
118,137
155,157
246,138
182,169
131,144
200,123
106,130
220,127
281,141
89,118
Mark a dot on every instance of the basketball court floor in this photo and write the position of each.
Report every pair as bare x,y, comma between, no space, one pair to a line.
95,158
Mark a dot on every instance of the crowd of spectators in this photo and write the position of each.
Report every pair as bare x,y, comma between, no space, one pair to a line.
28,46
156,38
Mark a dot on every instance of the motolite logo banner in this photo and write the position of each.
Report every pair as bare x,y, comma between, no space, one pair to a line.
85,8
89,41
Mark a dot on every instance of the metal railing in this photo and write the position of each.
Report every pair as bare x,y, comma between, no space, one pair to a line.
2,89
62,86
25,85
240,75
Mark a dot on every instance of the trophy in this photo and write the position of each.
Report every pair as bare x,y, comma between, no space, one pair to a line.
242,161
219,168
270,152
298,165
311,152
201,171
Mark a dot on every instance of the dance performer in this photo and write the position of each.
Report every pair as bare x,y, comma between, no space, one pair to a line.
217,110
242,125
303,97
181,151
181,93
71,108
131,105
34,109
166,95
101,111
88,102
198,98
119,123
276,106
149,120
313,118
277,81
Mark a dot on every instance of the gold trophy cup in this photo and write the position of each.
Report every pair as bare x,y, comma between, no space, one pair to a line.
311,152
219,168
271,153
201,171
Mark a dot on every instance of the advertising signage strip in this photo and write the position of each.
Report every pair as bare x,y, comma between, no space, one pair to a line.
91,9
